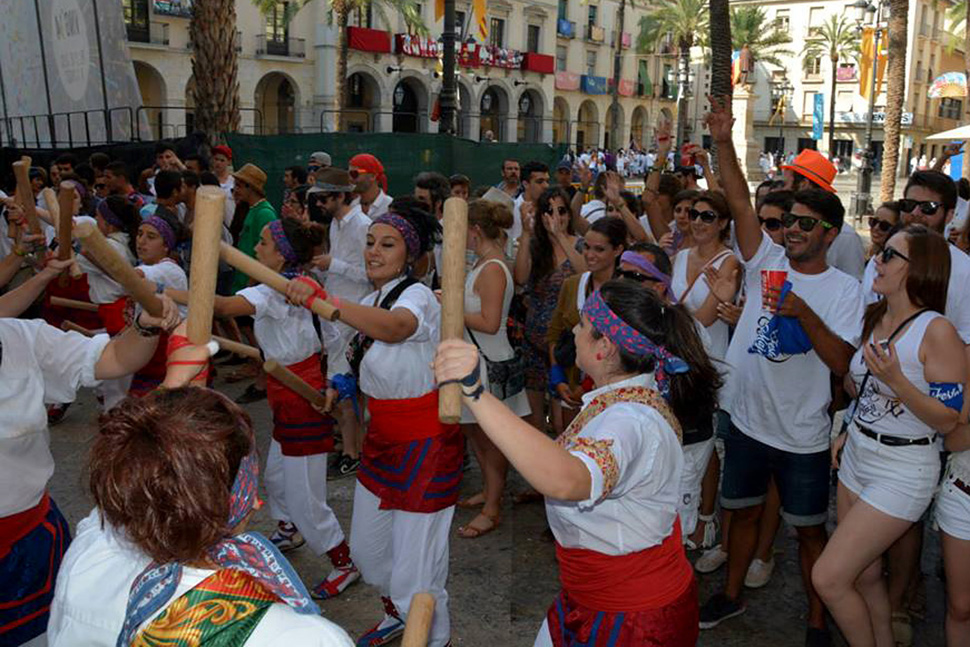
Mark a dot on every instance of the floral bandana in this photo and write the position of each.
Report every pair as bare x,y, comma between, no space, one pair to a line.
633,341
406,229
283,245
249,552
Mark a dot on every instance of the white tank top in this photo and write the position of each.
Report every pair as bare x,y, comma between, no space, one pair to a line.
495,347
878,407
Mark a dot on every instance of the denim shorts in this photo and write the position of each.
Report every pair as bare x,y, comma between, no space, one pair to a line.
802,479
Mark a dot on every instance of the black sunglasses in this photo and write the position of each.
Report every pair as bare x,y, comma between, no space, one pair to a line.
883,225
928,207
636,276
705,216
562,211
771,224
805,223
888,253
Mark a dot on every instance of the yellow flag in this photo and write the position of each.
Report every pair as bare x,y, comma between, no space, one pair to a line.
865,64
481,19
439,9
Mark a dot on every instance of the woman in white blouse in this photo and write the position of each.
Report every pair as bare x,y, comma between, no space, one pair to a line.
612,479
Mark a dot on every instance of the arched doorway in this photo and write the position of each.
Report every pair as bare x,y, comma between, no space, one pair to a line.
410,98
587,126
363,97
464,111
154,96
530,117
494,108
560,121
613,133
276,100
189,106
638,127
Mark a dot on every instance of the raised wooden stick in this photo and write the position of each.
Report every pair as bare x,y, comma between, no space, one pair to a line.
256,270
418,624
295,383
453,297
70,325
25,194
61,302
65,219
239,349
118,268
206,233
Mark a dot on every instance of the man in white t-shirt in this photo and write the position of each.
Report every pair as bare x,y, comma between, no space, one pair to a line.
535,180
778,399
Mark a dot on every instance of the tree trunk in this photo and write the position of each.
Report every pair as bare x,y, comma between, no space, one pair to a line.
966,65
683,83
895,93
835,64
720,25
212,34
340,94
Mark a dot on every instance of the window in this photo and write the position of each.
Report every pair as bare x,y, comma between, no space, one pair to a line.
919,70
563,9
808,104
813,67
277,29
951,108
361,17
136,19
561,57
496,32
459,23
591,17
783,19
816,16
591,63
929,70
532,39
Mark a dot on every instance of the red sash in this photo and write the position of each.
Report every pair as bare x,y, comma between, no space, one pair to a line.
411,461
300,429
113,315
76,289
149,376
17,526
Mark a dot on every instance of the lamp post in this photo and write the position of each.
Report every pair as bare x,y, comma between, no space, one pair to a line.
873,13
780,89
449,84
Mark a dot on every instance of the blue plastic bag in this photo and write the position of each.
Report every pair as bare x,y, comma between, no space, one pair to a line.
781,335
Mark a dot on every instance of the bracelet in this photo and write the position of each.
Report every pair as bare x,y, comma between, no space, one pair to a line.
145,331
472,378
475,395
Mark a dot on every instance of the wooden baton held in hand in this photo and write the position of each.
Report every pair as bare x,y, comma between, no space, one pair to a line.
95,244
61,302
239,349
453,297
71,326
295,383
206,234
418,624
256,270
65,220
25,195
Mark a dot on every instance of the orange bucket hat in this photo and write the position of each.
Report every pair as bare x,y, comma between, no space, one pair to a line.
813,165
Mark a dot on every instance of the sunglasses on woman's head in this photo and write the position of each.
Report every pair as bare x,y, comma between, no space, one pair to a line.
771,224
705,216
882,225
805,223
888,253
928,207
636,276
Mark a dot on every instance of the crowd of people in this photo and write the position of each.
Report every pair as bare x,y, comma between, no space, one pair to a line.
664,370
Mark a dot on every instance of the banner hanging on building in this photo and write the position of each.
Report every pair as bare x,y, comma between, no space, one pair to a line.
818,117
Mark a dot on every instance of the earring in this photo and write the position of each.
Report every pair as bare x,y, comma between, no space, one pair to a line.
599,356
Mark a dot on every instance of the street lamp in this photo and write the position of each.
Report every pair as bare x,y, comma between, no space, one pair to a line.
780,90
872,13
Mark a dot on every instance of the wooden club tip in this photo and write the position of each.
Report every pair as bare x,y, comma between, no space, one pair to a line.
209,193
84,229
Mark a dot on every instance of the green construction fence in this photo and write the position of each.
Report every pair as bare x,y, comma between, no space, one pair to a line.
403,155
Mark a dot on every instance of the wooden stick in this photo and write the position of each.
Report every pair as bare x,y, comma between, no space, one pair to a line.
295,383
61,302
418,624
118,268
239,349
453,297
65,219
70,325
51,199
25,195
256,270
206,234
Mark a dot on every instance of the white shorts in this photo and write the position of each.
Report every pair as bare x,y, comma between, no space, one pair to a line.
696,458
953,510
898,481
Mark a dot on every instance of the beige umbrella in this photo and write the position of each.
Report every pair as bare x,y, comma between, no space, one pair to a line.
963,132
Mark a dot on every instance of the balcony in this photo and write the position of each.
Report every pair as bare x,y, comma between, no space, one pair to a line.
566,28
152,33
288,47
174,8
503,57
369,40
626,39
593,84
541,63
595,34
418,46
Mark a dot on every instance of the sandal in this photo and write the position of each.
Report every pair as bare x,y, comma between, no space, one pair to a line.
529,496
471,532
474,501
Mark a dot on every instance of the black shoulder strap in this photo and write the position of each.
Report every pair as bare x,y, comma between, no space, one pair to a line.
391,297
865,378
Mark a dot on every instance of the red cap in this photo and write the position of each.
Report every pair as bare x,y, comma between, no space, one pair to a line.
370,164
222,150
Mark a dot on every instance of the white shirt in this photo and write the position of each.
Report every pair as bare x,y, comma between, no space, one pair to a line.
640,510
230,208
719,332
516,230
95,579
593,210
847,252
402,370
783,402
285,332
957,295
377,208
40,365
347,276
102,288
167,274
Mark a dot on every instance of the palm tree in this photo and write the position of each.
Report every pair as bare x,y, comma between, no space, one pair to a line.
895,95
683,21
959,15
721,47
212,34
765,38
837,40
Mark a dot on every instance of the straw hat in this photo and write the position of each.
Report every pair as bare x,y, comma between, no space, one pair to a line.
332,180
253,176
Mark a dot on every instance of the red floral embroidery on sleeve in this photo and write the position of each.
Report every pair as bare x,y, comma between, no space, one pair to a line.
600,451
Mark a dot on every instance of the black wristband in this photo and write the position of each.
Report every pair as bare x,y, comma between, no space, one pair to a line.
472,378
476,394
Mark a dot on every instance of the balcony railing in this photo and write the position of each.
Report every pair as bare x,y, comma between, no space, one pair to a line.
155,33
595,34
291,47
566,28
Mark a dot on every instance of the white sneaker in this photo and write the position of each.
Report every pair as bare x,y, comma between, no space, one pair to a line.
759,573
287,537
711,560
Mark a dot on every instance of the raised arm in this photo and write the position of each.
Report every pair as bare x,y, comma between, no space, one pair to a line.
658,217
523,257
13,303
580,224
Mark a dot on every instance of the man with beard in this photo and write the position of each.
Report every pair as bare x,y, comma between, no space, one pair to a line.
777,389
510,183
342,270
367,172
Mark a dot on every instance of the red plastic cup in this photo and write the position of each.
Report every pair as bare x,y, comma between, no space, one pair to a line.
771,279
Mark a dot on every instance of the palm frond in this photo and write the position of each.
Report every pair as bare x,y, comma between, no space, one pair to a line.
684,20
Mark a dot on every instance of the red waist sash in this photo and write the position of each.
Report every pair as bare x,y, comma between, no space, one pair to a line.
410,460
69,288
152,374
113,315
17,526
300,429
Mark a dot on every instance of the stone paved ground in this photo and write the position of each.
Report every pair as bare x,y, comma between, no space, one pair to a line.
500,585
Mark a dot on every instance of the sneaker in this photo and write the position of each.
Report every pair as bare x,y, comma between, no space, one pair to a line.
711,560
287,537
759,573
346,466
335,583
718,609
815,637
56,413
385,631
251,394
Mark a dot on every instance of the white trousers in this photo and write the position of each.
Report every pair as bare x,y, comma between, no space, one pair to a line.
113,391
696,458
296,490
544,638
403,553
